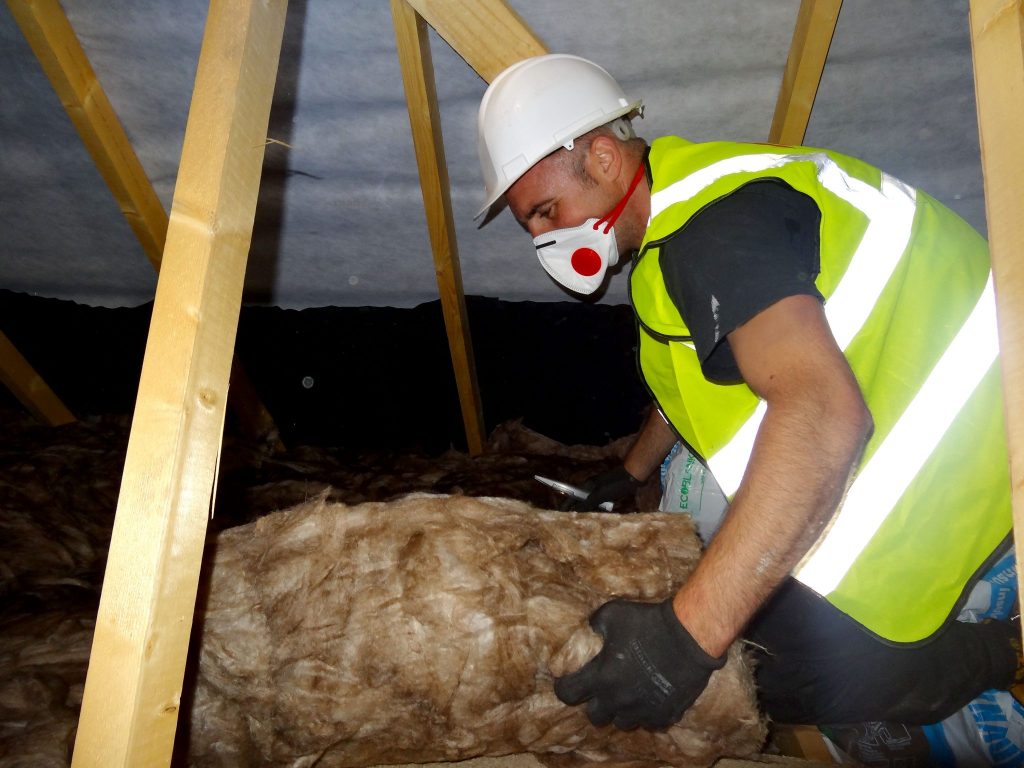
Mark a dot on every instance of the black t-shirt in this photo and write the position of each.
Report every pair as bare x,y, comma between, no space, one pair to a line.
738,256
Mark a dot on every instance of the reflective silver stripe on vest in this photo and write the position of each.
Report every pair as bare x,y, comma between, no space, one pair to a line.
906,448
880,483
890,214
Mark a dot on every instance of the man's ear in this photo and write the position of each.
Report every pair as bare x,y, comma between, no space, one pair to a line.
605,159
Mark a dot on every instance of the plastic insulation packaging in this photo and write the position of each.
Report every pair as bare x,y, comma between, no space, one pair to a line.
688,486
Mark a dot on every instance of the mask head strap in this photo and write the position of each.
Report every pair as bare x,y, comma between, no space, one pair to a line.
618,209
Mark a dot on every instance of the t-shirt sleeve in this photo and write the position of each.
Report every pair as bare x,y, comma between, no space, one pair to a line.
737,257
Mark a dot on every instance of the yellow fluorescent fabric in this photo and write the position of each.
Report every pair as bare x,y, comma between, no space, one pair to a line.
881,483
908,300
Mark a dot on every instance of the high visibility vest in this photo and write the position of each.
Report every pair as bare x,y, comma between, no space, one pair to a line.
908,297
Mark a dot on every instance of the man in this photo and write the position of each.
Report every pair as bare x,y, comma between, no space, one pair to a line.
821,336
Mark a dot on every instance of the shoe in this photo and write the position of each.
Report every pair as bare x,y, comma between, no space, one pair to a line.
881,745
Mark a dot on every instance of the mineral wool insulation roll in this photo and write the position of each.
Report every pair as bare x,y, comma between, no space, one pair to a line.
430,629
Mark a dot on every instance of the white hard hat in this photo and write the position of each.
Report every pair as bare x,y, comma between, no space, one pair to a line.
536,106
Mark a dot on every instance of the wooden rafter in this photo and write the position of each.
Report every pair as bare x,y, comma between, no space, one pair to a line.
54,42
490,36
28,386
133,688
997,37
418,76
815,25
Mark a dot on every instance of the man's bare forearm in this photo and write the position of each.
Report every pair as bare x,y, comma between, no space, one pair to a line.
655,440
794,484
807,447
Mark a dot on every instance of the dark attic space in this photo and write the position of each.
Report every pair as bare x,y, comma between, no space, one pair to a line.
368,377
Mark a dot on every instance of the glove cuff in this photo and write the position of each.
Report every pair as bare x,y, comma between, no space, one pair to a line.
622,475
693,651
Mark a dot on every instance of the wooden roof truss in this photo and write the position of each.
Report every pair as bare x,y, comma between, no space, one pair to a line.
131,698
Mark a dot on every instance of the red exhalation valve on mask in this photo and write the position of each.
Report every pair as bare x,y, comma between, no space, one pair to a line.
586,262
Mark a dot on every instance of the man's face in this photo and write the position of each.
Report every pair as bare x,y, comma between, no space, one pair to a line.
549,196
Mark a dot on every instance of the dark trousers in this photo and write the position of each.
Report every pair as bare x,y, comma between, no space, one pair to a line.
815,665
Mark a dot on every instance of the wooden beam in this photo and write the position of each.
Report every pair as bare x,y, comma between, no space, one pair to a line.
801,741
55,44
997,38
424,117
815,25
28,386
133,688
488,34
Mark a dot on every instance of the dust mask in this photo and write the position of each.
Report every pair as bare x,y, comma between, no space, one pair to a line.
579,257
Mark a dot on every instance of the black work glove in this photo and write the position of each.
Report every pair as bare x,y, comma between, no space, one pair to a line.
649,671
613,485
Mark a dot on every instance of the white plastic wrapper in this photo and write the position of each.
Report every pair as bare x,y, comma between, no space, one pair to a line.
993,596
988,731
688,486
